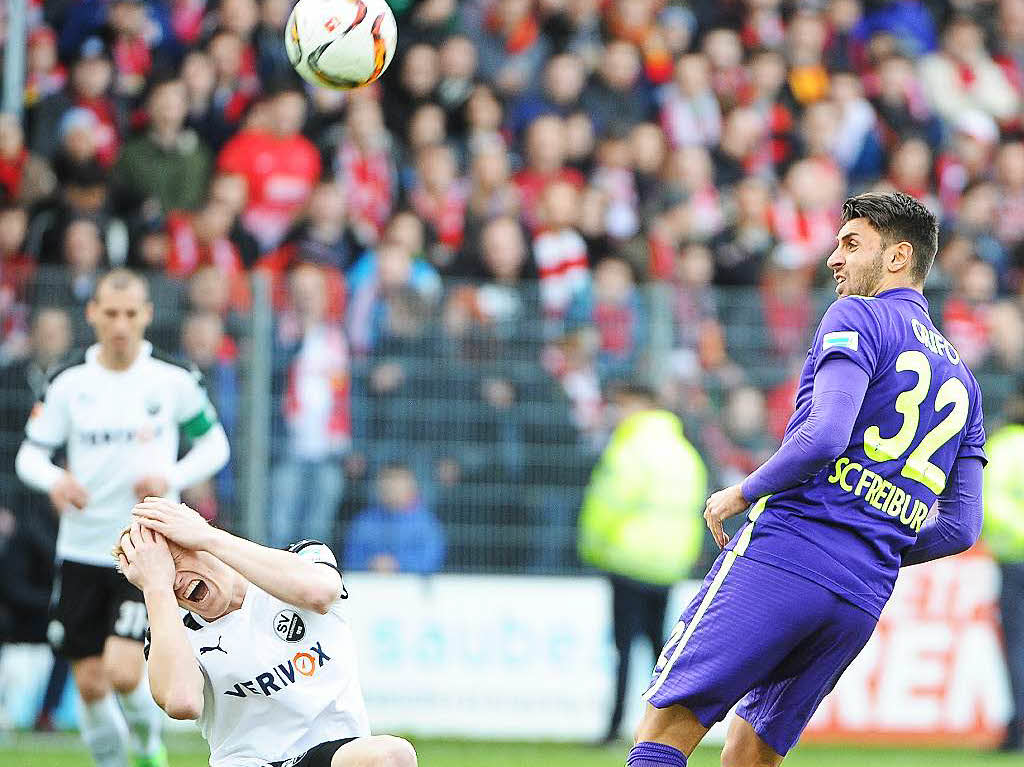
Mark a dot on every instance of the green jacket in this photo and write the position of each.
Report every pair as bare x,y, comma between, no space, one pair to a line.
1003,494
176,177
641,515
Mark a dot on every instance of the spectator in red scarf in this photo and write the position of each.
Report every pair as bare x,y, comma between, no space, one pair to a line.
613,307
25,178
690,112
743,149
545,163
321,238
560,251
962,76
728,75
16,268
967,158
280,165
235,85
637,22
202,239
806,212
439,195
965,317
314,428
127,21
365,160
511,48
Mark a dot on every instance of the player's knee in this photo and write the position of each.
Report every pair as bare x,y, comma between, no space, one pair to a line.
124,677
92,683
741,755
396,752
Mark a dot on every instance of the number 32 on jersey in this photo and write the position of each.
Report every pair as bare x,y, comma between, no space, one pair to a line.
918,465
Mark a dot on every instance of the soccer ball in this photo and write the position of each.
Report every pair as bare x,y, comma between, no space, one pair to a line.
341,43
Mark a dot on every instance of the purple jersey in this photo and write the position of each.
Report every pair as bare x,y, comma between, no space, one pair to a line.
847,527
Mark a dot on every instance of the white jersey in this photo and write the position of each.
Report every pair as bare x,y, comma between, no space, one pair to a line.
119,426
278,680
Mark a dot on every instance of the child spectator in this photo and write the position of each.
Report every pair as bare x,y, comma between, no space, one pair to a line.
398,535
559,250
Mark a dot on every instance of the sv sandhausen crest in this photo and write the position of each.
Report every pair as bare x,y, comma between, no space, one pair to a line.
289,626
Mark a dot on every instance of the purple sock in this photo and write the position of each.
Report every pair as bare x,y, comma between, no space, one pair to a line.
648,754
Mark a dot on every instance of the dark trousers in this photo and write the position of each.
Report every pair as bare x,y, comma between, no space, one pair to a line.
638,609
1011,607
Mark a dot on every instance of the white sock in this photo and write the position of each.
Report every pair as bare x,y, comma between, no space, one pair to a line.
144,718
104,731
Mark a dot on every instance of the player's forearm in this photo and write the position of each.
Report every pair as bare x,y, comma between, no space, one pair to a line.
207,456
282,574
958,523
34,467
174,677
839,387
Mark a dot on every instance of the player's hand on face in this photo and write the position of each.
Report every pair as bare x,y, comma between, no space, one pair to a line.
145,558
150,485
175,521
67,492
719,507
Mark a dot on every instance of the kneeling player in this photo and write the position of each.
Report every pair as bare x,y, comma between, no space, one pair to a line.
264,658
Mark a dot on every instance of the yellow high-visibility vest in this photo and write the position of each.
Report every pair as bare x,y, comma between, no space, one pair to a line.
641,514
1003,494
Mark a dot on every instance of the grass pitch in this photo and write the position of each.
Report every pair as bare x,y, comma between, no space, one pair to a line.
65,750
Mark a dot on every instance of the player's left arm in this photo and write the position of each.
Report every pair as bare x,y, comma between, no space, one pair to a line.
308,578
957,525
209,451
845,356
839,388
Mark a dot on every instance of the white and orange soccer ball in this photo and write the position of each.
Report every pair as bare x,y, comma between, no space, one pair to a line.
341,43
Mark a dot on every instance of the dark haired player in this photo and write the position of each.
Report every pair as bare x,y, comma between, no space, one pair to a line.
888,424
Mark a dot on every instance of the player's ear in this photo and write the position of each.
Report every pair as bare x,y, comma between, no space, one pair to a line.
147,313
901,257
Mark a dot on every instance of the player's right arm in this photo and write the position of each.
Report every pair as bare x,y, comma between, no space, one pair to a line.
175,679
47,429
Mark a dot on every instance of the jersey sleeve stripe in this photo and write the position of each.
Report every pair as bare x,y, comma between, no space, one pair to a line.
200,423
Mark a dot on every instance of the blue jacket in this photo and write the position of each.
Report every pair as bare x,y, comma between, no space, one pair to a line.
415,538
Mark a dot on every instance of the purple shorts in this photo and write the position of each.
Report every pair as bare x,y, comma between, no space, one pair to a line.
757,631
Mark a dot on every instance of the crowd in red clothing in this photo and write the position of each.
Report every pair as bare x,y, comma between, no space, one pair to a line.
553,158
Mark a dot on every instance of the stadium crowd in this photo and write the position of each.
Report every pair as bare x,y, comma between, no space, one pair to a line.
538,199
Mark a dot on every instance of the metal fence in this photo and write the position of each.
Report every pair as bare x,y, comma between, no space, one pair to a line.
468,405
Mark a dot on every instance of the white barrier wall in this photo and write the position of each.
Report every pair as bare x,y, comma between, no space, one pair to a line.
520,657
